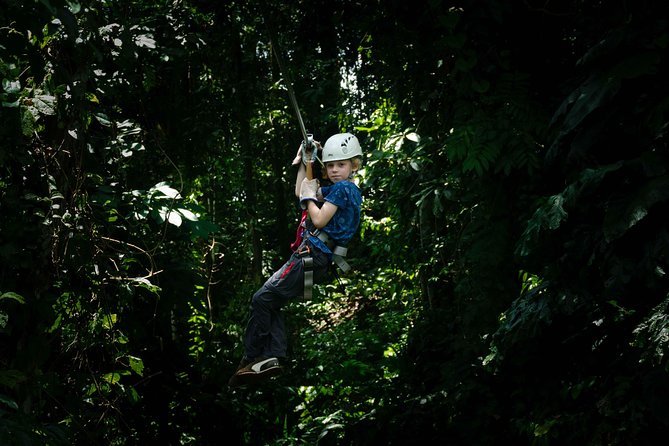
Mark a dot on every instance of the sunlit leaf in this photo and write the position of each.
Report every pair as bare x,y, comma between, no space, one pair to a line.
141,214
166,190
136,364
103,119
188,215
113,377
413,136
45,104
109,320
55,324
74,6
11,86
145,40
174,218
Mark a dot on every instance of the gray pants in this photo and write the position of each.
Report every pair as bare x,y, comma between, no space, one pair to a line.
265,332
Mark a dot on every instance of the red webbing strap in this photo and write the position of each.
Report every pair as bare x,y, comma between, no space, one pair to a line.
300,229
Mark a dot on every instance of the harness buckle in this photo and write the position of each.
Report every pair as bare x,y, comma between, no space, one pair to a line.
304,250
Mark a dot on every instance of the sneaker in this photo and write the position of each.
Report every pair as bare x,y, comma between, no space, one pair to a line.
260,366
255,371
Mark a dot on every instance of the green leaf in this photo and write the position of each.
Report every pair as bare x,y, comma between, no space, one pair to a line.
587,97
109,320
132,394
413,136
113,377
169,215
145,283
55,324
145,41
188,215
548,216
136,364
165,190
45,104
13,296
8,402
11,104
103,119
27,121
652,335
174,218
11,86
623,215
203,228
74,6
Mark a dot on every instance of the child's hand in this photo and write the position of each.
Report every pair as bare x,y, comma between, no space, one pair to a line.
298,156
308,190
305,155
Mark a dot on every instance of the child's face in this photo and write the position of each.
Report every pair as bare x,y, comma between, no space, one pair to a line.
339,170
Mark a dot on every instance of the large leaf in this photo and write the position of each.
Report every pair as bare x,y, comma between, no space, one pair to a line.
11,86
553,211
136,364
164,191
45,104
652,335
8,402
13,296
636,204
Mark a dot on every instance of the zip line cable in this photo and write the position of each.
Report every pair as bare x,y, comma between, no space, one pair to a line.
289,85
307,139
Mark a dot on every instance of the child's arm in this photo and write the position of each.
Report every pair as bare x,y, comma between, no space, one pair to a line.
321,216
301,175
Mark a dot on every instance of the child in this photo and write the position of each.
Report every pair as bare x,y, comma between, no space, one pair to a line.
332,224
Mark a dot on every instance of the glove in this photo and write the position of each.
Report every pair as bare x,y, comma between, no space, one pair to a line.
308,191
304,155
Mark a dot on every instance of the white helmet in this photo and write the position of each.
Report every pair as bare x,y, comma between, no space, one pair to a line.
341,146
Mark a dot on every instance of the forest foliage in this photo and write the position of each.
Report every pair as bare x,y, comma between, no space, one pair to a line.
510,273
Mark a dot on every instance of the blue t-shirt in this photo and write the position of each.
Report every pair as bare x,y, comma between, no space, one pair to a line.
344,223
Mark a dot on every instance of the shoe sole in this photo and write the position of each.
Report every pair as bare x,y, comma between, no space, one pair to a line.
240,379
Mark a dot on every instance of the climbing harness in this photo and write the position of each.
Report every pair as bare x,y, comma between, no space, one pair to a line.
338,252
304,251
